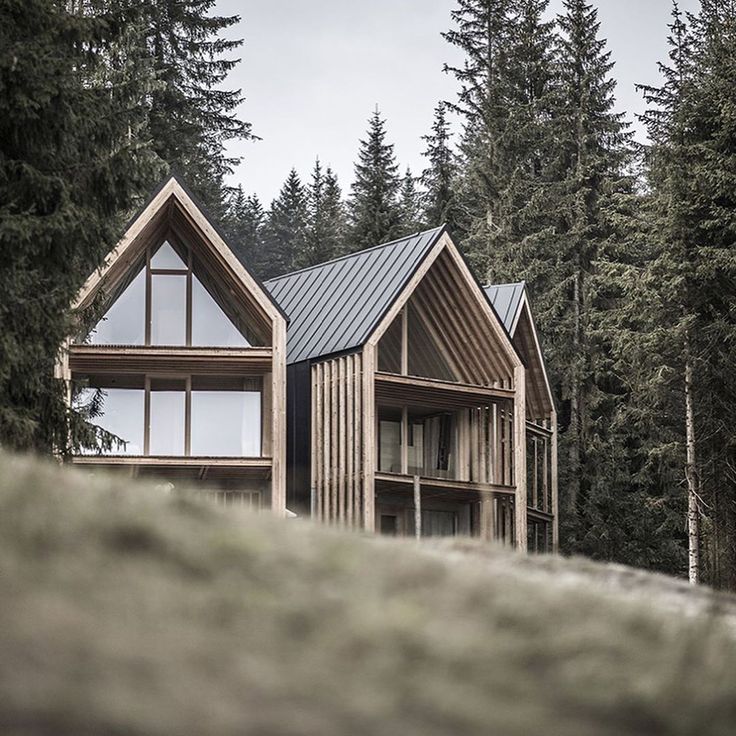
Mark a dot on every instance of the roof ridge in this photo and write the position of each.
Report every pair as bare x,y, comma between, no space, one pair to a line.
356,253
510,283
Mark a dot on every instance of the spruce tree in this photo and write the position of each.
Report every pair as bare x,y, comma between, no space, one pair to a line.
504,102
71,161
245,226
411,218
690,278
439,177
286,228
374,208
326,226
192,115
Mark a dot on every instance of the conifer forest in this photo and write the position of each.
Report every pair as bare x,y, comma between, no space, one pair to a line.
628,249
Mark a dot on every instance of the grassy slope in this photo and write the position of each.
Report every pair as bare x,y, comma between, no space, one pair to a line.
126,611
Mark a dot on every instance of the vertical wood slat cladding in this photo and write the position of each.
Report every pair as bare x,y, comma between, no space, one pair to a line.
485,445
337,470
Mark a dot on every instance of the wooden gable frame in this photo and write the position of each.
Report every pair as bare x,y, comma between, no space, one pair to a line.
523,330
173,209
484,335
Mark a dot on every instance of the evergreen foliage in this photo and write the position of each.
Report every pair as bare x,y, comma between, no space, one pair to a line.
192,116
326,221
411,218
438,178
246,223
73,156
286,230
375,216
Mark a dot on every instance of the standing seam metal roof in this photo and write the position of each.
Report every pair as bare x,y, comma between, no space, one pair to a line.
506,299
335,306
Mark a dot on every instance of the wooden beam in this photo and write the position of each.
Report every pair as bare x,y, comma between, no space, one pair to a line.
278,418
173,461
405,340
417,507
472,393
520,457
445,483
369,437
143,359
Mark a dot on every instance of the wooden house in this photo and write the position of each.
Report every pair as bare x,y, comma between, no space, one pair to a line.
181,354
413,408
402,398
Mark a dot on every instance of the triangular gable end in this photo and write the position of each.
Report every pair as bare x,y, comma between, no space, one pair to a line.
458,336
540,402
174,232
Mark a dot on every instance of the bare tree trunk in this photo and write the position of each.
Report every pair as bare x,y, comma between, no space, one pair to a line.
691,473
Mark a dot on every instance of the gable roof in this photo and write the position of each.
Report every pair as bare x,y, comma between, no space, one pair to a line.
511,302
507,300
335,306
173,192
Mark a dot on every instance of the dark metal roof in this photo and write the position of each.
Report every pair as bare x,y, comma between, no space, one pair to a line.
506,300
335,306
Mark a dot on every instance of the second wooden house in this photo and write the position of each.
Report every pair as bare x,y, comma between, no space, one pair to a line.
412,408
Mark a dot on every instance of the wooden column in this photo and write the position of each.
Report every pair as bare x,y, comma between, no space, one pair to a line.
369,438
520,456
553,483
405,441
417,508
487,525
278,420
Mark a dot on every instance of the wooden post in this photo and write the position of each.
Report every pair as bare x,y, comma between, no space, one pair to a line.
417,508
520,456
369,438
486,519
278,419
553,483
405,441
405,340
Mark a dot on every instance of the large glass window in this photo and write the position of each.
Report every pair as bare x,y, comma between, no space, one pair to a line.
125,321
121,412
166,314
211,327
168,309
226,423
168,417
166,258
209,416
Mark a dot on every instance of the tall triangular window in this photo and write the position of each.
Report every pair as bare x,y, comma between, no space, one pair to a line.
167,304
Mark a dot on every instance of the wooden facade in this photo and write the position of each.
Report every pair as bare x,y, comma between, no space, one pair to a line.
185,370
400,402
439,362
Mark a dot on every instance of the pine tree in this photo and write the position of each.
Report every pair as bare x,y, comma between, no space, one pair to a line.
192,115
286,229
504,102
326,225
71,162
691,274
439,178
374,209
245,224
410,206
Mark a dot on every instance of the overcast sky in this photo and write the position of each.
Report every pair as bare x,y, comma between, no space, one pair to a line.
312,72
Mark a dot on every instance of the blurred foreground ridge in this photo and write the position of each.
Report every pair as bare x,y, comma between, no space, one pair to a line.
126,610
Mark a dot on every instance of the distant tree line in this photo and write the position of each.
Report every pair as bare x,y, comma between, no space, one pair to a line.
629,251
311,222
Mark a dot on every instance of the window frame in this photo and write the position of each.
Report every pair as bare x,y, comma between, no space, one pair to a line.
151,272
258,387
